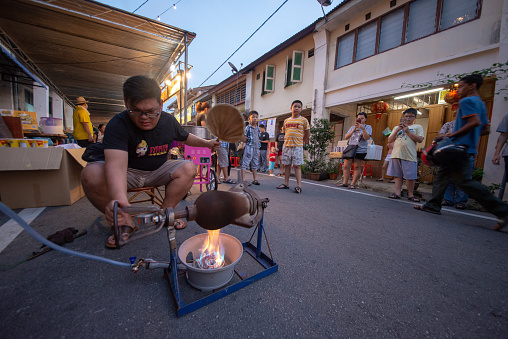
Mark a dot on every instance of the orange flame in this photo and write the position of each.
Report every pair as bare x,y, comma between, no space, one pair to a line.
212,254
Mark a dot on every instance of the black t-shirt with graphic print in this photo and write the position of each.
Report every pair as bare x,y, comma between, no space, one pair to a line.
148,150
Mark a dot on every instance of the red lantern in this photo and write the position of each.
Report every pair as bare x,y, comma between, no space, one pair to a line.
379,108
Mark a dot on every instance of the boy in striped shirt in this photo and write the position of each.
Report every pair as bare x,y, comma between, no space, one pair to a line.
297,133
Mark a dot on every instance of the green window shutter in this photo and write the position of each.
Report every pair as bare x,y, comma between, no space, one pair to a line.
287,81
297,69
269,79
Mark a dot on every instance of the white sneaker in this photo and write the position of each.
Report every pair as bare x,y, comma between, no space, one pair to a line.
271,175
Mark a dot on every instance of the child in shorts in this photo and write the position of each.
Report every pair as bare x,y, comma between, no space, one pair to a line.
271,161
251,151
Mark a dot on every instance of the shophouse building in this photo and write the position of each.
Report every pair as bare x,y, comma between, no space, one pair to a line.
368,51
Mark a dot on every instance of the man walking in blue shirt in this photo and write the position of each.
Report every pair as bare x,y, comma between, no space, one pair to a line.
470,124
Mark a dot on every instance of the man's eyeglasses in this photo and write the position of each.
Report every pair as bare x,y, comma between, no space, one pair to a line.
149,114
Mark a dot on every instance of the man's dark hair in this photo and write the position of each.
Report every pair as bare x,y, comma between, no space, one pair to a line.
261,126
139,88
362,113
297,102
100,126
412,111
253,112
476,79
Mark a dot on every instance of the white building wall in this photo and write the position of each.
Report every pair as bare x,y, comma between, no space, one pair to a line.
41,101
68,112
57,105
321,56
248,90
278,102
467,39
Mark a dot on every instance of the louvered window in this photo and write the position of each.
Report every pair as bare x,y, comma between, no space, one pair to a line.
422,19
455,12
390,35
233,95
345,49
366,44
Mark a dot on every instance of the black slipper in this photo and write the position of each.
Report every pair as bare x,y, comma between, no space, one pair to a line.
394,196
255,182
298,189
282,186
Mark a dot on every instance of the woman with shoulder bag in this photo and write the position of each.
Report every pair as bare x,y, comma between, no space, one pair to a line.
356,150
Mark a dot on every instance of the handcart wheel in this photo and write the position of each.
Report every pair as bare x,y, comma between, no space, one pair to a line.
212,185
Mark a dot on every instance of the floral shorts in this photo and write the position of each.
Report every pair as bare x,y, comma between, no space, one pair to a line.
292,155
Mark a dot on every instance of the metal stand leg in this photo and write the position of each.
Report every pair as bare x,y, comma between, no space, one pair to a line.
172,275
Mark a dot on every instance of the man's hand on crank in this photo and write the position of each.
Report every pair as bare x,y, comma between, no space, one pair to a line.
213,144
123,217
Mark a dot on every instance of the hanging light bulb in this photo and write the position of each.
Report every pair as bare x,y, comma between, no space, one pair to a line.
159,18
174,6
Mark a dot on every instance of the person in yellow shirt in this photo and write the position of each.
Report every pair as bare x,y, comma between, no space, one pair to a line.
297,133
83,130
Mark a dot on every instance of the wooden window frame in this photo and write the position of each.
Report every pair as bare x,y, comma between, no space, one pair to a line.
293,81
265,79
479,6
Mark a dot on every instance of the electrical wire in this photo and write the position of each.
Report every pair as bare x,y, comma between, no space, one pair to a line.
140,6
244,42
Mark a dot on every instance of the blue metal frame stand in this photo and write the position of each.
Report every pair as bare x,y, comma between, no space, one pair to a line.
182,308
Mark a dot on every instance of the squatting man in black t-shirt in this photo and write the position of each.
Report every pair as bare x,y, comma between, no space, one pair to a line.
136,151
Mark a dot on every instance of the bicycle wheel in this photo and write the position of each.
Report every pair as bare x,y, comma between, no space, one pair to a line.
212,186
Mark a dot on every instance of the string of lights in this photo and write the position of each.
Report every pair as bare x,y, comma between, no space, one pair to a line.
174,6
244,42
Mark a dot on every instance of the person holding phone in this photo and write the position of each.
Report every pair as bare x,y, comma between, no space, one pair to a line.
358,134
403,160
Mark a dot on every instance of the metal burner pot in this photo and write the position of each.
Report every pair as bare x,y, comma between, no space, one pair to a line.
199,131
208,280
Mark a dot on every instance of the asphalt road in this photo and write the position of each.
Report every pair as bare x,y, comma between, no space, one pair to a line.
352,263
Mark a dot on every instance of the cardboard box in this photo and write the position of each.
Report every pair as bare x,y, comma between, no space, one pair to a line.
36,177
28,119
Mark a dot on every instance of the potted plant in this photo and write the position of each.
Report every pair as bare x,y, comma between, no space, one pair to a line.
320,137
333,169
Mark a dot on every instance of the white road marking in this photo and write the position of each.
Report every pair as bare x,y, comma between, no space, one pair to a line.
11,229
356,191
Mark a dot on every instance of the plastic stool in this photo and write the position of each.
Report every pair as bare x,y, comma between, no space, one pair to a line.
235,161
367,171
